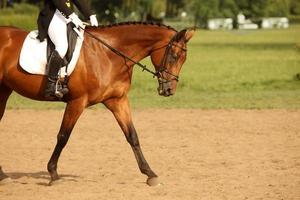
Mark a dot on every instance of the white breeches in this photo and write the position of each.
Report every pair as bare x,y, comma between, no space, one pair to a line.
57,32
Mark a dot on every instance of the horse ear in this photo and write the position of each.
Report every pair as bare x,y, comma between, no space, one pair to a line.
180,35
189,34
185,35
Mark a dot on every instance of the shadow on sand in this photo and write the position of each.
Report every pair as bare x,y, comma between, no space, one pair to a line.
42,175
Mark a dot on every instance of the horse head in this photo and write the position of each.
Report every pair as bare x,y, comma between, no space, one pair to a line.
168,61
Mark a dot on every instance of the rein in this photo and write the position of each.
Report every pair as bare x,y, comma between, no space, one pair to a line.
144,67
157,73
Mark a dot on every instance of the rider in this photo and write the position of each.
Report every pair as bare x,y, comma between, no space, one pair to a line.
52,22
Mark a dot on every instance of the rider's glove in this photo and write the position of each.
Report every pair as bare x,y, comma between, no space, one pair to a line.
93,20
76,21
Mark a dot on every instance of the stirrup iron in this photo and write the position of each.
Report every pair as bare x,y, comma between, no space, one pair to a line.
60,89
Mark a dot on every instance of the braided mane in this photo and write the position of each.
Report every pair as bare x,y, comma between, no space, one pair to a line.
137,23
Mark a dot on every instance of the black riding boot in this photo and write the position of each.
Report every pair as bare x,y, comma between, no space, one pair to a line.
54,64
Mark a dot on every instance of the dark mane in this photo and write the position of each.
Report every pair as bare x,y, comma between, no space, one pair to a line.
137,23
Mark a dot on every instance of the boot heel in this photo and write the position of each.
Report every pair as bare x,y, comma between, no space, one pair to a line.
50,88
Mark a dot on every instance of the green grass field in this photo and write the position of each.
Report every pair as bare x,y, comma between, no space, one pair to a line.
22,15
235,69
224,70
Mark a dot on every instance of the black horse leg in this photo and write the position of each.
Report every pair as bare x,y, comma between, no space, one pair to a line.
121,111
4,94
132,139
71,115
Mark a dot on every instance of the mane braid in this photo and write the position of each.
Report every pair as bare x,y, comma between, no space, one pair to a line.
138,23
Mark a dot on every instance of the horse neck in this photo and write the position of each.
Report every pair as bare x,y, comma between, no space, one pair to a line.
136,41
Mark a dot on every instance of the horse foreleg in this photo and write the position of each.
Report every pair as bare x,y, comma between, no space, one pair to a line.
72,113
4,94
120,109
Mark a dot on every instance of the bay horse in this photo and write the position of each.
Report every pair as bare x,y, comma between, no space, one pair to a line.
102,75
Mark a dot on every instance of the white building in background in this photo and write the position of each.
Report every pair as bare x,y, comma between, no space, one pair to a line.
243,23
275,22
220,23
246,24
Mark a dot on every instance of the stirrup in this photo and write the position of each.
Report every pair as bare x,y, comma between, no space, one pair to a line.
60,89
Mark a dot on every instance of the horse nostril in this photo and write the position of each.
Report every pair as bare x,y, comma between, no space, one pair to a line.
169,91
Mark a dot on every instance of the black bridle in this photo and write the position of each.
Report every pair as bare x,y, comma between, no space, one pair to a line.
162,67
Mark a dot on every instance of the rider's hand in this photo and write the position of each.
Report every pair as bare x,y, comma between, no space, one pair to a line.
93,20
76,21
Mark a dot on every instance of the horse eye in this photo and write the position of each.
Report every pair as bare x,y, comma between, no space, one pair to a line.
175,56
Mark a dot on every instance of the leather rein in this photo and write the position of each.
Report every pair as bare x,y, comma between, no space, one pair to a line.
162,68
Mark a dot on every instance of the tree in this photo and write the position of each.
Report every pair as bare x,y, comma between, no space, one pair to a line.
3,3
278,8
202,10
173,6
228,8
144,7
295,7
106,9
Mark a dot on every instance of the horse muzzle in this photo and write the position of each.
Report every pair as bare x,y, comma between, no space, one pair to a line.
165,88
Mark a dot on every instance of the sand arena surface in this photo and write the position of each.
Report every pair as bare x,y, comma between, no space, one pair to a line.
214,154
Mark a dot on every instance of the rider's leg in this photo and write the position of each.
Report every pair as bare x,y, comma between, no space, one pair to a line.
58,34
55,63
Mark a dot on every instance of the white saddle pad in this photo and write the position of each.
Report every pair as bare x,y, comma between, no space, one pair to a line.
33,57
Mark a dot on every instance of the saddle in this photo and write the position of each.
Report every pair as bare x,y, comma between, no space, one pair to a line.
35,54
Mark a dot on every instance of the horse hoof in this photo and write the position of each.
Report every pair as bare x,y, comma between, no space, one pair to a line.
154,181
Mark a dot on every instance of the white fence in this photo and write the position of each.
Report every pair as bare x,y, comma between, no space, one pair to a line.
243,23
